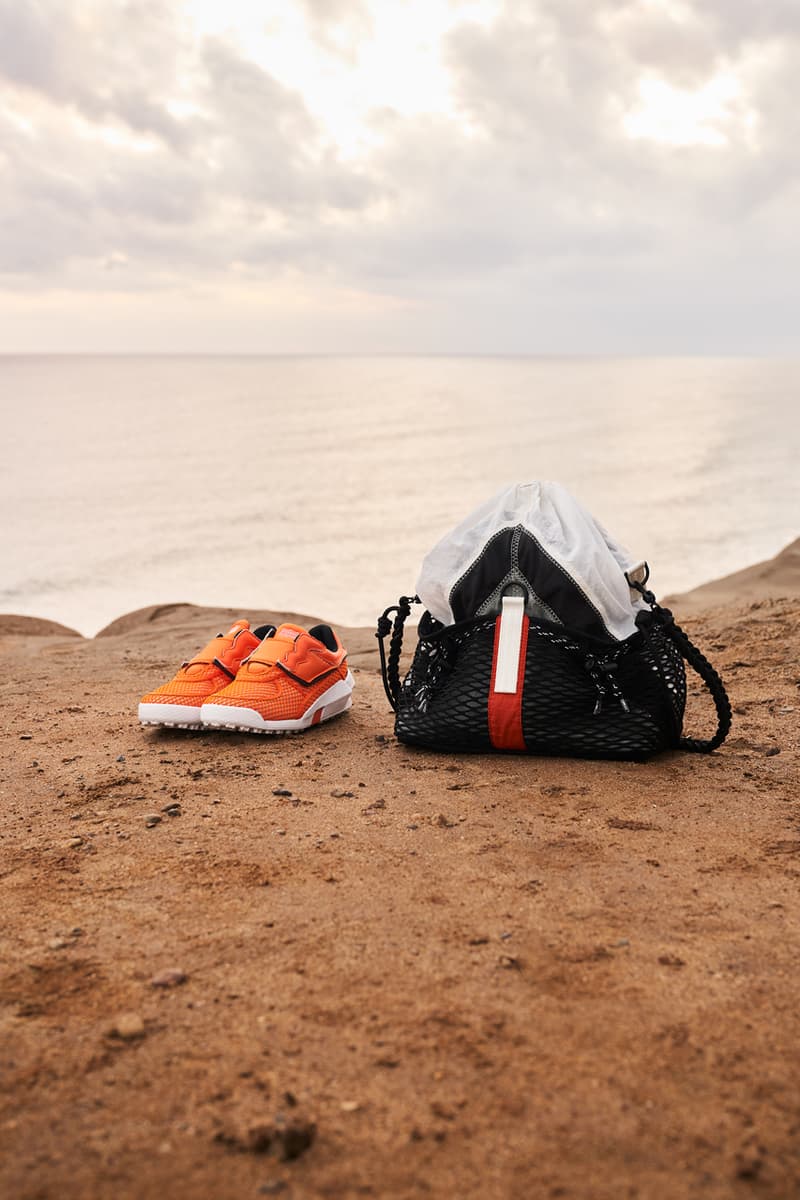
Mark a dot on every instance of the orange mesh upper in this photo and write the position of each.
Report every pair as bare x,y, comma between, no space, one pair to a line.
264,686
199,678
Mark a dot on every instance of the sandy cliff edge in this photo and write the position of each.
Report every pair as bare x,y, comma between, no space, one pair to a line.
773,578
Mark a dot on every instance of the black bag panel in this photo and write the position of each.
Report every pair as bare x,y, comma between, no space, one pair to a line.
514,555
617,706
583,697
444,701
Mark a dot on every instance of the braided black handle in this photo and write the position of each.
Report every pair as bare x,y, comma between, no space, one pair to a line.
390,667
699,663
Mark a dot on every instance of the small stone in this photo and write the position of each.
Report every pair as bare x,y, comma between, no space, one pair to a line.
285,1139
442,822
376,806
152,819
281,791
26,737
172,810
128,1026
74,842
170,978
341,794
671,960
509,962
120,758
57,943
623,942
773,750
349,1106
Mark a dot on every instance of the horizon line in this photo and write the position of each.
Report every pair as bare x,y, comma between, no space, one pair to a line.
431,354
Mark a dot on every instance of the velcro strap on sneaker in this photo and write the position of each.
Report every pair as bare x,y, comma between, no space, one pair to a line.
307,663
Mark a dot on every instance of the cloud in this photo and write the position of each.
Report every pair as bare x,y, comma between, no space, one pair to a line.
78,55
98,168
138,154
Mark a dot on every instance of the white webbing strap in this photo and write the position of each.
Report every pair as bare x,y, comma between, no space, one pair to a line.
507,668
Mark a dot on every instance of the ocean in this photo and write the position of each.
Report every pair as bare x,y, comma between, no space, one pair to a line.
316,485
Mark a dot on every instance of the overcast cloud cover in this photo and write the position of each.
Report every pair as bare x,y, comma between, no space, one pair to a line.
589,176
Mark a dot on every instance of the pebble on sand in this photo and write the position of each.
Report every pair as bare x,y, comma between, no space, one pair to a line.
510,962
152,819
170,978
285,1139
127,1026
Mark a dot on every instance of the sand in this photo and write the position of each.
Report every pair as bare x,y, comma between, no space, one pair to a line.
336,967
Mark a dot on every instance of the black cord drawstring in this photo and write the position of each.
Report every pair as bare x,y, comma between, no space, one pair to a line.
390,667
603,675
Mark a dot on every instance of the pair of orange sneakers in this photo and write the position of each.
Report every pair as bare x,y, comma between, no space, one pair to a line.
264,680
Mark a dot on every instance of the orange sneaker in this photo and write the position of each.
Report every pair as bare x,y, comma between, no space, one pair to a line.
293,680
178,702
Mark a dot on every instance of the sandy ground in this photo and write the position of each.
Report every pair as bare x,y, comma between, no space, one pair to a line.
336,967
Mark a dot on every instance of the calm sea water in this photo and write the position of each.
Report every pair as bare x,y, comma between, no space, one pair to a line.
317,484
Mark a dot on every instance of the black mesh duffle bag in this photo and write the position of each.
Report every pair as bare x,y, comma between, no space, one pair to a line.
541,637
580,696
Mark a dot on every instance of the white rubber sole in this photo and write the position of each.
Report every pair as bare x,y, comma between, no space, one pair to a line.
336,700
174,716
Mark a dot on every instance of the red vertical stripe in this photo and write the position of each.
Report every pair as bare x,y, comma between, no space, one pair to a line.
505,708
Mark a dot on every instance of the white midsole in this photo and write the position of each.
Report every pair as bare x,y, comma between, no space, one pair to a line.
335,700
185,715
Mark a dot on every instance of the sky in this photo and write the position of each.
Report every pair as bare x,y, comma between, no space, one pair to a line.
400,176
